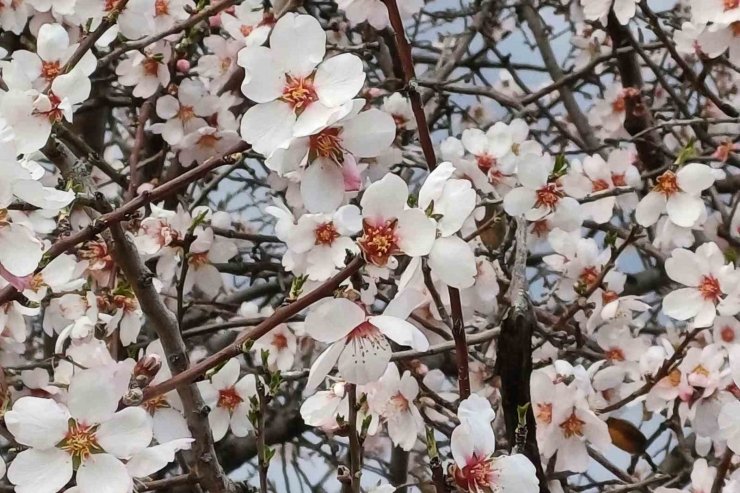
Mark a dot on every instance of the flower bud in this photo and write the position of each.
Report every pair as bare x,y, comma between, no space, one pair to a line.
183,66
214,21
133,397
146,369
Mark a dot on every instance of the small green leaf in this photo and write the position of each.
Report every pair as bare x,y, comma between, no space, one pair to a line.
686,153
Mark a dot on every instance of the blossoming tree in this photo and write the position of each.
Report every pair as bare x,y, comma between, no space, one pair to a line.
369,245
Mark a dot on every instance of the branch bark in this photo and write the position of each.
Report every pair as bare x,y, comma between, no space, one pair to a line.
207,467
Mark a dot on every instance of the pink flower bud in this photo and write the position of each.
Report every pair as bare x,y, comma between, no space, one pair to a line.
183,66
374,92
214,21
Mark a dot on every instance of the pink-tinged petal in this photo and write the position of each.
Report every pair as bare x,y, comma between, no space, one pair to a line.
52,42
103,473
519,201
684,209
227,376
324,364
533,172
650,208
299,42
240,424
682,267
385,199
456,204
416,232
37,422
434,184
219,419
339,79
365,358
40,471
462,445
515,474
694,178
452,260
169,424
92,397
264,77
369,133
154,459
333,320
167,107
268,126
475,141
401,332
20,251
322,186
128,432
683,304
352,174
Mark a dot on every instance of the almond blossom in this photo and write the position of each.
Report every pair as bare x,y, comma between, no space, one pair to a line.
228,398
538,196
473,444
358,343
296,95
677,194
87,435
708,280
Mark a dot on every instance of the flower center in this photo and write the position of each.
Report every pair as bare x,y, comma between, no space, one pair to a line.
208,141
229,399
727,334
540,228
365,330
246,30
618,105
589,275
225,65
152,405
548,196
326,234
198,259
700,370
599,185
608,296
151,67
80,441
731,4
327,144
280,341
735,26
709,288
573,426
674,378
186,113
477,475
515,148
378,243
161,7
615,354
667,184
50,70
299,93
36,283
544,413
110,5
126,303
485,162
619,180
399,402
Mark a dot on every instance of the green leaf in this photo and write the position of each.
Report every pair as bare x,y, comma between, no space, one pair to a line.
431,443
686,153
561,166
